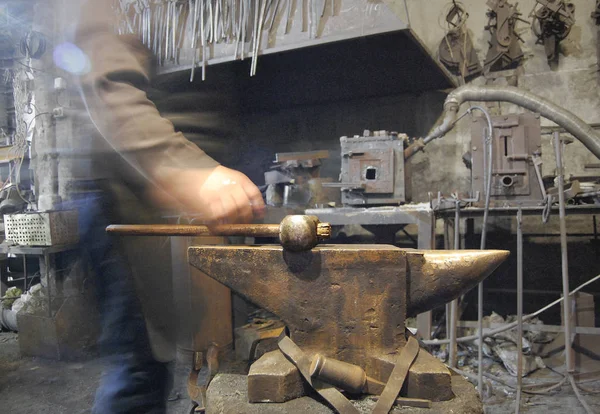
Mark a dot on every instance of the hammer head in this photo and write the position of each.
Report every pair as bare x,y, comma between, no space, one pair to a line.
299,233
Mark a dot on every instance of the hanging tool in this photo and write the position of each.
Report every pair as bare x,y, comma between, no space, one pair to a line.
456,50
288,20
195,16
551,24
505,51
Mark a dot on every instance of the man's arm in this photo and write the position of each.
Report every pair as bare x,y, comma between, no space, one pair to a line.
114,91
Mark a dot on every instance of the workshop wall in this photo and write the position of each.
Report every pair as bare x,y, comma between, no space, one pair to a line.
573,85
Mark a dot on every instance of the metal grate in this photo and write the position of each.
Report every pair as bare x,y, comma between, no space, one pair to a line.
46,228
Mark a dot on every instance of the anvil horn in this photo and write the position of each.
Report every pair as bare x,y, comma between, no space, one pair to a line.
436,277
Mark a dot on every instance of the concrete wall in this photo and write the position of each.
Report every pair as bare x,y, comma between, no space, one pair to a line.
574,84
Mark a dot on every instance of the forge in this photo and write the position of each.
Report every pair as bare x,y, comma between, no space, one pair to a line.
348,303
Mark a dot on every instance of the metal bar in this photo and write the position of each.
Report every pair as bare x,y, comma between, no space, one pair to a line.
24,274
48,287
447,247
425,240
511,211
519,310
452,351
194,37
249,230
534,327
563,253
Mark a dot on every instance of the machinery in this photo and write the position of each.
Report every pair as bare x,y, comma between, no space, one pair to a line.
373,170
516,148
294,180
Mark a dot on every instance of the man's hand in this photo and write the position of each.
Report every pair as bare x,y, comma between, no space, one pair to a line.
219,196
230,197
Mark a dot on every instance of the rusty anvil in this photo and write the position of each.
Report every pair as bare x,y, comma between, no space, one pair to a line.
347,302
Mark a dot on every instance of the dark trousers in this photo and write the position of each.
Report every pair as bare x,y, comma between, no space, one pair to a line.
134,382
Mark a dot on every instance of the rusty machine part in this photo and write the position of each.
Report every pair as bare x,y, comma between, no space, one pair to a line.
373,171
296,233
517,146
504,52
349,303
456,50
551,24
292,180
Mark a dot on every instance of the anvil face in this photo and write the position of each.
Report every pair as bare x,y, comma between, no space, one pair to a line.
346,301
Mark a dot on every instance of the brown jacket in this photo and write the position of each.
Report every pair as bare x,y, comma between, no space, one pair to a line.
114,88
134,144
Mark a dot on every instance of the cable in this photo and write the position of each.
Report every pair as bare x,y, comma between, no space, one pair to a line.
512,324
579,396
488,191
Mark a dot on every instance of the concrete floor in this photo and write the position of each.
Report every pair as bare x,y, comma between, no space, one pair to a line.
32,385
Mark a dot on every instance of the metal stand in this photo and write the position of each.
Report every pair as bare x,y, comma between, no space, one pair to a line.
569,330
45,252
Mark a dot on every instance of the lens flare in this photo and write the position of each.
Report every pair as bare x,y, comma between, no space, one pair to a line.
69,57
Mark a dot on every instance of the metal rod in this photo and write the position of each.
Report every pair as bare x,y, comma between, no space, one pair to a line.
48,287
519,309
563,253
447,247
24,273
512,325
194,38
488,158
454,304
203,40
249,230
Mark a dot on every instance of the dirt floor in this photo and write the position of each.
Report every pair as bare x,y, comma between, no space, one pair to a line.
32,385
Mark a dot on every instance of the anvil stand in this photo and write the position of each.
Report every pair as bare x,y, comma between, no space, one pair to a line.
347,302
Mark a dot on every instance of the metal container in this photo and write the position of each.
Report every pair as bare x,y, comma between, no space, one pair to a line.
516,142
46,228
373,170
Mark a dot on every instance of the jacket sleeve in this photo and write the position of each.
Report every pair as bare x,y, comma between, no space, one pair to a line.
113,88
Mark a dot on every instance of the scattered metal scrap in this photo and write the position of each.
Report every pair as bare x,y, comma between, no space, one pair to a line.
456,50
551,24
504,52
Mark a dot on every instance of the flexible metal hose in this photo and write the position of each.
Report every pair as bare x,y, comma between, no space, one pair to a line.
569,121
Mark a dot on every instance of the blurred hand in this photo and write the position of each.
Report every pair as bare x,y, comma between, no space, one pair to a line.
230,197
219,196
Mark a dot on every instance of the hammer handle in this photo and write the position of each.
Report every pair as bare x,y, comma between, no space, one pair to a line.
247,230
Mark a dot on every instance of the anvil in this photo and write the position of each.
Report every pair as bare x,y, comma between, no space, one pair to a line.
350,302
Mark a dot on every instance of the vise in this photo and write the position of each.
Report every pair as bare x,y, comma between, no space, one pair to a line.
346,303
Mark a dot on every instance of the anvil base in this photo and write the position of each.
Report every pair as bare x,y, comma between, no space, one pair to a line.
272,378
228,393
